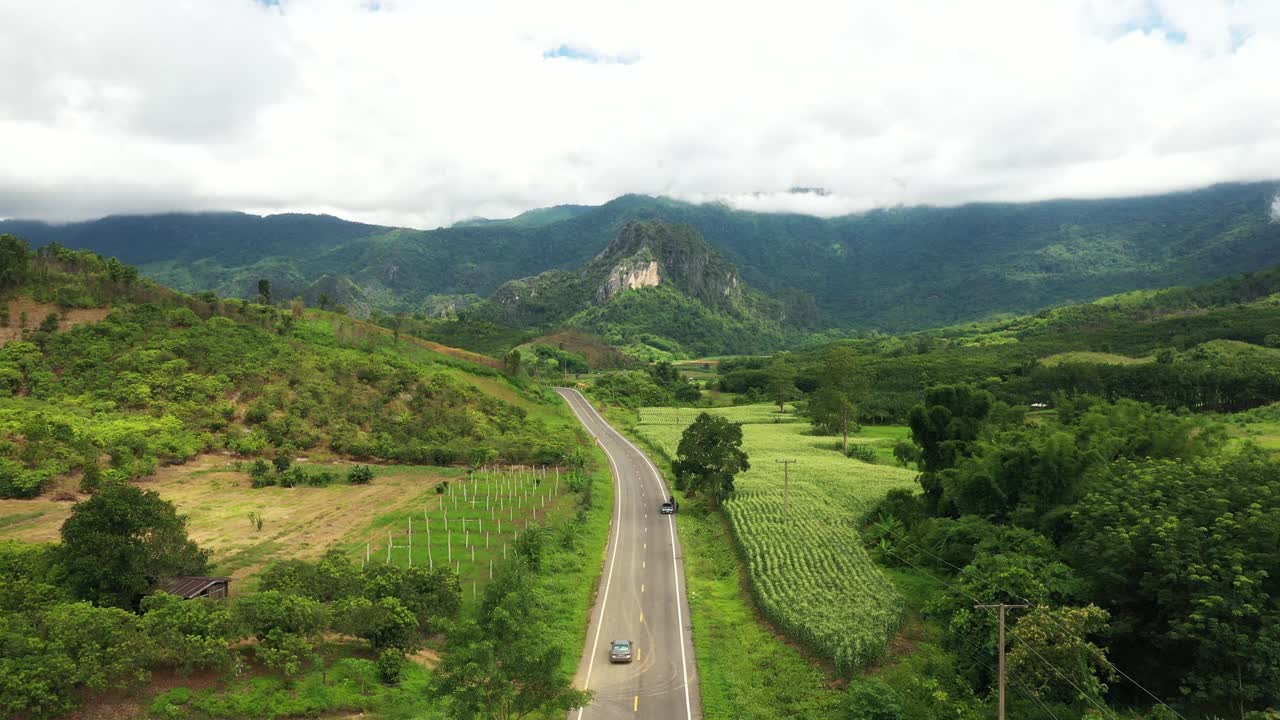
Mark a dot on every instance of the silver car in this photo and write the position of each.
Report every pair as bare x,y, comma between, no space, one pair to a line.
620,651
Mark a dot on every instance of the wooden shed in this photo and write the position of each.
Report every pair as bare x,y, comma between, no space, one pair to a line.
194,586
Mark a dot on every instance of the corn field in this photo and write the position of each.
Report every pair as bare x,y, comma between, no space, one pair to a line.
809,571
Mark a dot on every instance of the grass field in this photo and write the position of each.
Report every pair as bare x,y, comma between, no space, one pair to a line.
303,522
809,572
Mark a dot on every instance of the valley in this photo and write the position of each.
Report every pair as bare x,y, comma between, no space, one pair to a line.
411,487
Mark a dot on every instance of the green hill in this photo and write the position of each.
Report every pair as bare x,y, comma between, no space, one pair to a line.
894,269
655,285
161,377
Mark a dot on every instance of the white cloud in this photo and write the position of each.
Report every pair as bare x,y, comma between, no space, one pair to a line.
421,113
1275,209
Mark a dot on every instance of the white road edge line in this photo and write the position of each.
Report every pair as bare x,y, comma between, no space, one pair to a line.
675,567
595,644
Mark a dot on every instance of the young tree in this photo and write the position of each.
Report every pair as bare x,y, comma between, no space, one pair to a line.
121,273
323,301
264,291
386,623
782,383
190,635
286,626
709,456
360,475
511,362
118,543
15,261
397,324
1052,655
842,383
501,667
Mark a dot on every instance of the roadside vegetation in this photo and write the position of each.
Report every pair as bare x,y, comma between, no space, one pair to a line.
296,442
1062,462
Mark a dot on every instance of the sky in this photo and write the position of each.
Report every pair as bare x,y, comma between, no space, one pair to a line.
423,113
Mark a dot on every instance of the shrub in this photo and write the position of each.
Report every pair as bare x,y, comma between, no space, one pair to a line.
360,475
390,665
872,699
865,453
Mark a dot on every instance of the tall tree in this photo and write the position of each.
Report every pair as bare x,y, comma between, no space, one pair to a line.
946,428
15,261
118,543
782,383
842,383
709,456
264,291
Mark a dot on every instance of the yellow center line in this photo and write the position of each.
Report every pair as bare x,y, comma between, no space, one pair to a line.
636,706
641,618
646,546
641,587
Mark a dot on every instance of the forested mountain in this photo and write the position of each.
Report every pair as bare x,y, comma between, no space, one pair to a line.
1210,348
657,285
892,269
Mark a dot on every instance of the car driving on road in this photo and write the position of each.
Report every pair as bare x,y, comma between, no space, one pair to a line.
668,508
620,651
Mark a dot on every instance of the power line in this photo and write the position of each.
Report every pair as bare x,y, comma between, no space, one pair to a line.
1034,606
977,658
978,603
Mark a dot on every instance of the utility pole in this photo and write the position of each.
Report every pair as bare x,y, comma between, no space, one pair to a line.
1002,607
786,480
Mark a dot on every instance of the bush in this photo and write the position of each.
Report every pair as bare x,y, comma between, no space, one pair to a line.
872,699
865,453
360,475
390,665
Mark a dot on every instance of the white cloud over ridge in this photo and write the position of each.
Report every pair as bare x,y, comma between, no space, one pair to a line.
421,113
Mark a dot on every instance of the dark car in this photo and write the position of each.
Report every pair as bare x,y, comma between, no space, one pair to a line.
668,508
620,651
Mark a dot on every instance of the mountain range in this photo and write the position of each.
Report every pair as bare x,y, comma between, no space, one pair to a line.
893,269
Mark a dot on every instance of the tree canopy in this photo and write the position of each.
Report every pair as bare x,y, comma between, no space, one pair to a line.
117,544
709,456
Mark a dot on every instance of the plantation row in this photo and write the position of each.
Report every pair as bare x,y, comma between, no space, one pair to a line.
471,525
809,571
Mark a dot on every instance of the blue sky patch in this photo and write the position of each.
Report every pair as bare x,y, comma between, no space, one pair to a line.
573,52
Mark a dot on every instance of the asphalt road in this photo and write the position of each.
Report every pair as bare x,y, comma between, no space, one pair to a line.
641,596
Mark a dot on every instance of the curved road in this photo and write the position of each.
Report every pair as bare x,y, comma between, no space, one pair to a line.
641,597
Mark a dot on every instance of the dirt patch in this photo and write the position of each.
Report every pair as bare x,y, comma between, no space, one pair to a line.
121,705
300,522
35,314
599,355
425,657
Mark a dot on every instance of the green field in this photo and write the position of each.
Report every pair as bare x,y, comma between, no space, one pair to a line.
470,526
809,573
1083,356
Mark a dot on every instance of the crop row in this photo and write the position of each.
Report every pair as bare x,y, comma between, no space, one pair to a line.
809,571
